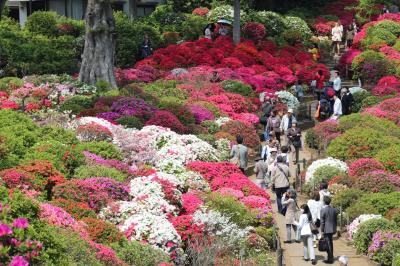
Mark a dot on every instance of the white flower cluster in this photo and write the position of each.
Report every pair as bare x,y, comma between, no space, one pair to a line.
220,121
219,225
324,162
224,147
289,99
353,227
354,90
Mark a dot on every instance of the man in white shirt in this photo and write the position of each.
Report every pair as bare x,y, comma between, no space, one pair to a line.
337,107
337,83
286,123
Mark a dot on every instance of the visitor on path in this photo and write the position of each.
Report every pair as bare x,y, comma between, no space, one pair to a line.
328,227
272,155
223,30
325,110
145,47
209,31
279,180
294,136
298,89
275,125
303,225
314,52
290,208
337,107
240,152
323,192
347,101
320,78
343,261
286,123
337,35
315,208
354,25
350,36
261,171
285,154
337,83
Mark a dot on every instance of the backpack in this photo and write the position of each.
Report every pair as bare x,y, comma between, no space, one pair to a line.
325,108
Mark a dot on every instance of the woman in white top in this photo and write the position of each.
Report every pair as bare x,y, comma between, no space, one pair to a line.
315,208
337,35
306,235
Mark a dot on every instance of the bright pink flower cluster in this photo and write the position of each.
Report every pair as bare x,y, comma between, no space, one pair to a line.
364,165
227,191
389,109
256,202
386,86
190,202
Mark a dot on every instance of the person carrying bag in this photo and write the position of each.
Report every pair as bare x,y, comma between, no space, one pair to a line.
279,180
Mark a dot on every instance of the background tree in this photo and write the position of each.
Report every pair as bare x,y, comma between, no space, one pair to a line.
98,54
236,21
2,5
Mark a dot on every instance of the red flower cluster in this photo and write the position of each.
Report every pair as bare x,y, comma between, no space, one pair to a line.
254,31
386,86
167,119
186,228
201,11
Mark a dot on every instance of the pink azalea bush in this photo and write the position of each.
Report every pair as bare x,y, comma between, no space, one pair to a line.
364,165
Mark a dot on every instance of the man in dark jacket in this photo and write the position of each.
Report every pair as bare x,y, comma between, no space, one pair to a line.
328,226
347,101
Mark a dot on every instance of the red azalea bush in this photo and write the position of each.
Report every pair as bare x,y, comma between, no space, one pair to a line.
364,165
254,31
101,231
96,192
186,227
386,86
167,119
93,132
247,131
200,11
378,181
327,130
190,203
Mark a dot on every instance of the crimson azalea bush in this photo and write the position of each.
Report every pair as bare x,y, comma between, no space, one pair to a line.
386,86
378,181
254,31
167,119
365,165
247,131
186,227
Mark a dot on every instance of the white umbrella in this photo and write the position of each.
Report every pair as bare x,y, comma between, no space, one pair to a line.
224,21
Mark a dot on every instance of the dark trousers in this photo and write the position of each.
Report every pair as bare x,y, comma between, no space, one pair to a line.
279,193
278,137
329,241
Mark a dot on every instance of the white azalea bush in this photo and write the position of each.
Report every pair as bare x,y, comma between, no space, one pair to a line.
220,121
353,227
289,99
324,162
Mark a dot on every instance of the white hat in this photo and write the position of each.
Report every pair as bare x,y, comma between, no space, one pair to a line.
344,260
273,149
290,110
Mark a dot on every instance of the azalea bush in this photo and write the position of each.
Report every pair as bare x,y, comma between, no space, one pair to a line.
247,131
363,166
389,158
378,181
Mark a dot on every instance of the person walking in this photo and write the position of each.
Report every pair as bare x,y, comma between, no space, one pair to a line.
279,180
337,107
286,123
315,208
347,101
145,47
239,153
323,192
304,226
337,35
285,154
275,124
320,78
328,227
290,205
337,83
294,136
298,89
261,171
350,36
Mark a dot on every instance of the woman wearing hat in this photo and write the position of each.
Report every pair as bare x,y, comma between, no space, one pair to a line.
261,171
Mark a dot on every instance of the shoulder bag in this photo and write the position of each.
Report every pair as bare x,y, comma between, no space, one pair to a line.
322,245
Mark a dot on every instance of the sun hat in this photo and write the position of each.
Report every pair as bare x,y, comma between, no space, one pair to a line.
273,150
344,260
290,110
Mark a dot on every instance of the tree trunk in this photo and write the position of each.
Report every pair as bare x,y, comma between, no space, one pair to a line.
2,5
98,55
236,22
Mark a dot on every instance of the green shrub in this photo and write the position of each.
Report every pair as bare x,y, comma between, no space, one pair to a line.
296,24
371,122
363,236
164,88
153,33
126,49
266,233
232,208
192,28
170,103
360,142
131,122
360,208
211,126
236,86
136,253
390,158
88,171
323,173
274,23
386,255
371,66
208,138
359,97
346,198
166,18
104,149
370,101
77,104
385,32
60,134
78,210
42,22
8,82
102,231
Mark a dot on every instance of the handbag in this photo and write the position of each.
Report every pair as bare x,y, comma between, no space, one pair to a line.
314,228
236,160
322,245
